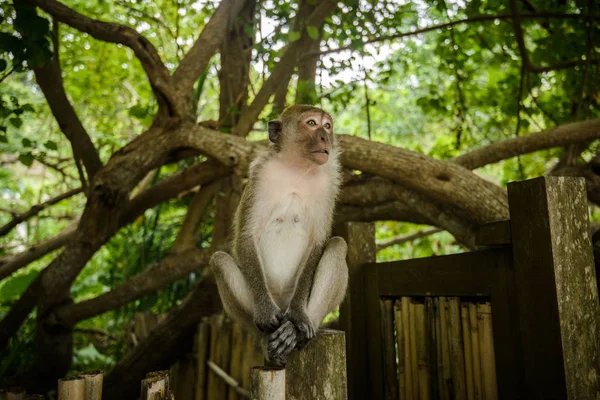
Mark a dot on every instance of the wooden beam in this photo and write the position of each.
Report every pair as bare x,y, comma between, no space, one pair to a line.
556,288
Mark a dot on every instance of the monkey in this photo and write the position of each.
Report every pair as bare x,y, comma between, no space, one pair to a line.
285,273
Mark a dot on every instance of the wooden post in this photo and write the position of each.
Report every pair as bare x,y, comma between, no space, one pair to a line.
93,384
15,393
71,389
319,370
156,386
267,383
360,237
556,288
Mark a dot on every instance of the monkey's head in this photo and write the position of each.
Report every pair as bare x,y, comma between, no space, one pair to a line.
305,132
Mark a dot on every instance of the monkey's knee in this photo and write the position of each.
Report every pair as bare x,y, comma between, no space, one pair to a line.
220,262
338,245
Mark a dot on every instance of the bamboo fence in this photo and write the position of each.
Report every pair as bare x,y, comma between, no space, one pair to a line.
438,348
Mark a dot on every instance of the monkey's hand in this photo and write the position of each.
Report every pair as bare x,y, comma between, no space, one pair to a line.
268,317
305,329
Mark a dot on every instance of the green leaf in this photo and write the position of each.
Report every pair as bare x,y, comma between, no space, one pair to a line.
16,122
51,145
26,159
138,111
312,32
3,65
3,139
294,36
27,108
26,142
17,285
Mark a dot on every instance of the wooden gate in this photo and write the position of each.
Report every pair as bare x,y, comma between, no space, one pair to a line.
537,272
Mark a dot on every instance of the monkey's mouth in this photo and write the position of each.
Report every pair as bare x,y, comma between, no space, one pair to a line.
320,151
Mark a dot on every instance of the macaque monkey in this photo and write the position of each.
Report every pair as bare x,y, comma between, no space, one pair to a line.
285,273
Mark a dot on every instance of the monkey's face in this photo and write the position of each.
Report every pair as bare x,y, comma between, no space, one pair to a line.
315,136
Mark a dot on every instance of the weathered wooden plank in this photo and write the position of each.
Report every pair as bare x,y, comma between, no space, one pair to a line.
494,234
389,348
319,370
556,287
360,238
467,274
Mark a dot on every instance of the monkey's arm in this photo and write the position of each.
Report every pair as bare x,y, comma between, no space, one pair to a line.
267,316
297,311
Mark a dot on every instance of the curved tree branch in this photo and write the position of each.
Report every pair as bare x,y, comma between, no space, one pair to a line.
33,211
49,78
407,237
157,276
559,136
156,71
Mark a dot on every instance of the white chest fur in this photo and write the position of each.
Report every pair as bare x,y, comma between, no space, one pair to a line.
293,202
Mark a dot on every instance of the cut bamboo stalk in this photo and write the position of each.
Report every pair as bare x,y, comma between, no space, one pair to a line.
15,393
267,384
442,392
477,383
430,330
72,388
237,351
408,372
224,361
466,330
202,353
422,362
447,391
216,321
389,345
486,345
456,350
93,384
156,386
414,367
400,346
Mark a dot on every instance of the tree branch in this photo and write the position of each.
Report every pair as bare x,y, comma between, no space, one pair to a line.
157,276
11,263
477,18
208,42
17,219
156,71
407,238
556,137
283,69
49,78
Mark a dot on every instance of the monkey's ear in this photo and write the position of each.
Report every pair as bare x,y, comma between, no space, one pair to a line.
274,131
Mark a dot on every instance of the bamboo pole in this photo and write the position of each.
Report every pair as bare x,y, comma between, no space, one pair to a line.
72,388
234,385
216,321
466,330
237,354
414,366
389,360
267,383
408,372
442,394
430,329
224,360
447,393
486,344
400,346
93,384
202,354
477,385
456,349
422,362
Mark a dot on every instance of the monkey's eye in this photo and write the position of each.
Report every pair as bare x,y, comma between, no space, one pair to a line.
327,125
311,122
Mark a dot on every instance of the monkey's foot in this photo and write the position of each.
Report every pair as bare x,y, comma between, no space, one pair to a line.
281,342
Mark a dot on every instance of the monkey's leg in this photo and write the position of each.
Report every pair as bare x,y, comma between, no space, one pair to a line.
327,292
233,288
